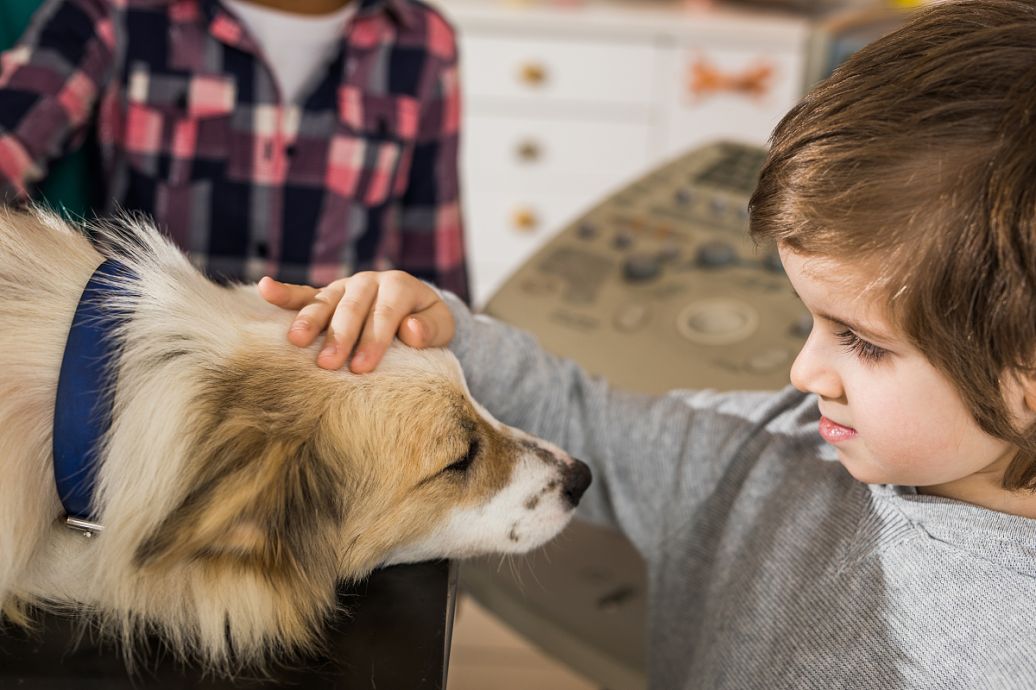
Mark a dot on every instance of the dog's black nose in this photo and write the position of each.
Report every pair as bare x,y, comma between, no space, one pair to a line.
577,478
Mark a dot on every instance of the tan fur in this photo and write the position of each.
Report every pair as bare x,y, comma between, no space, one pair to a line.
239,482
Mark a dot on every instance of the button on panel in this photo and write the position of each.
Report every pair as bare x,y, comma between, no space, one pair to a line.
587,230
771,261
802,327
716,254
769,360
639,268
718,321
631,317
622,240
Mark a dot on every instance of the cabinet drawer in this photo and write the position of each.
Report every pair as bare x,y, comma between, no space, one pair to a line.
539,147
505,226
498,66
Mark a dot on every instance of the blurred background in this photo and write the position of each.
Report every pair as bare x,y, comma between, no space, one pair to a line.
568,99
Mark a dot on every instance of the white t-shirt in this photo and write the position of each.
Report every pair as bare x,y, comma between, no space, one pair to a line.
295,45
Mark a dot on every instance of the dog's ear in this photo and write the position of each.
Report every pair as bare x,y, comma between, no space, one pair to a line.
255,502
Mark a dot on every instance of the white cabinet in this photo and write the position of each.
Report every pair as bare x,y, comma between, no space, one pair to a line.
562,105
527,176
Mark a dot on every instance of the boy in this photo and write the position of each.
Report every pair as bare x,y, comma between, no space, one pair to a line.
902,197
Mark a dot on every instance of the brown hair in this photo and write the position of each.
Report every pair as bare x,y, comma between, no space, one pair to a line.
918,155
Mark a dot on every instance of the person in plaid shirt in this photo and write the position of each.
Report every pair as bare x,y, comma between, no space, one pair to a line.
360,172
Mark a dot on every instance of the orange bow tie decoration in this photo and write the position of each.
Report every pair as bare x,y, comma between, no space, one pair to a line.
704,79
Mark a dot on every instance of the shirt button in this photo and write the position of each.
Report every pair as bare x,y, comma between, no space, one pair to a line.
262,250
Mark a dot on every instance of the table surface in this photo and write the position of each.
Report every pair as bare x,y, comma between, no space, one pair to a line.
396,636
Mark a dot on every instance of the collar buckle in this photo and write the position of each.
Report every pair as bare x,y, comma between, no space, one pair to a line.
86,528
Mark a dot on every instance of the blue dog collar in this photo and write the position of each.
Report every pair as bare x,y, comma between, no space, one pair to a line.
83,408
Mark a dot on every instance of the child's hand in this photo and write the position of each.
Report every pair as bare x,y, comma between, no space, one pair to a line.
372,307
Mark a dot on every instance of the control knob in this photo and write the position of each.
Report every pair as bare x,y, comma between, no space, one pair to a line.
641,267
772,262
715,255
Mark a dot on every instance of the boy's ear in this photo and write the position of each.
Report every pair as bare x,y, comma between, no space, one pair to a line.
1020,393
254,503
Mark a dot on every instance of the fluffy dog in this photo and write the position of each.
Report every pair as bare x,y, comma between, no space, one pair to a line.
238,482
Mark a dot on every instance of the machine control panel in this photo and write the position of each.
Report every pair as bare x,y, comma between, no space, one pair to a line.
659,286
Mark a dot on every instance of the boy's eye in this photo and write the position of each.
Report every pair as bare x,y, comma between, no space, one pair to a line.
867,352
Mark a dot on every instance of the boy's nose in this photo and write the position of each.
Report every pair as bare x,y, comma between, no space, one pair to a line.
576,479
810,372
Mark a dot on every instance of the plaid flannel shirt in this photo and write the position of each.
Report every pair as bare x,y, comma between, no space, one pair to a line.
362,173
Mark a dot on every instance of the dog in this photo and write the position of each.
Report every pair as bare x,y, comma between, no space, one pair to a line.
238,482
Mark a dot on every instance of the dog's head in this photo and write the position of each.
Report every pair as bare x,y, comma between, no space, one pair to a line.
238,482
307,475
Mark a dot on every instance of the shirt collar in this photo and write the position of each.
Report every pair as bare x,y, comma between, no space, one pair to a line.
400,10
1000,538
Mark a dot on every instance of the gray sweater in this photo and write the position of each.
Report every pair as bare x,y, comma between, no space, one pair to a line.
769,566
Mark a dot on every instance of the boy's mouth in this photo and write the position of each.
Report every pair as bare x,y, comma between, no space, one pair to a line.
834,433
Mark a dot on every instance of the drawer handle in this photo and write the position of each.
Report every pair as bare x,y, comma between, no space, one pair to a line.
528,151
704,79
533,74
525,220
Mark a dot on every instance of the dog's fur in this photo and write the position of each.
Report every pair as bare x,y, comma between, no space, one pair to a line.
239,482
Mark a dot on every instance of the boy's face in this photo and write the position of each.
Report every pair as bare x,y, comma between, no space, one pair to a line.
893,418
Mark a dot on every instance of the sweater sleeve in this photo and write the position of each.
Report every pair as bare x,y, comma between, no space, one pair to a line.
646,452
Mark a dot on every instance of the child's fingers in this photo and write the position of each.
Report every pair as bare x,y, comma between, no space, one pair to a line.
307,323
431,327
313,317
285,295
414,331
350,313
399,295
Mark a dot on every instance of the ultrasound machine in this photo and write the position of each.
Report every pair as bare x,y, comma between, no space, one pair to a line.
658,287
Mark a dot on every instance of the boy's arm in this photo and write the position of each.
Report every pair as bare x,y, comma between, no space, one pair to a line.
656,459
49,85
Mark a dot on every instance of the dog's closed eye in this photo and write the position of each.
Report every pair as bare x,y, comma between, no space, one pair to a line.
458,469
464,464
